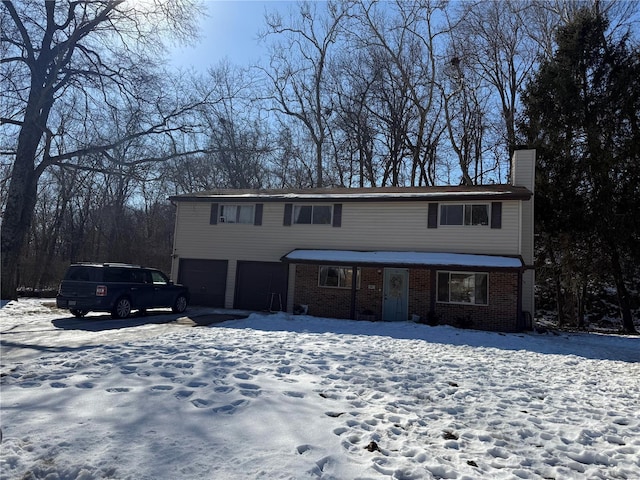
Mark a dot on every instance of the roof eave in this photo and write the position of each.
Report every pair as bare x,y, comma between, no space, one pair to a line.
404,264
514,194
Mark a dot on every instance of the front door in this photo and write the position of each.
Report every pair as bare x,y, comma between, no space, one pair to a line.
395,305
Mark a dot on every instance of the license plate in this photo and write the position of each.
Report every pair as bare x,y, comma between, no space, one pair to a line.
72,303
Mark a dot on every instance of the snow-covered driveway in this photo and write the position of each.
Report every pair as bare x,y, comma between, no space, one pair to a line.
278,396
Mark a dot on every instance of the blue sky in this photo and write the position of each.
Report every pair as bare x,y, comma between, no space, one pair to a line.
229,31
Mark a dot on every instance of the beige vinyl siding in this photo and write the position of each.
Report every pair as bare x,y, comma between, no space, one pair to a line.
365,226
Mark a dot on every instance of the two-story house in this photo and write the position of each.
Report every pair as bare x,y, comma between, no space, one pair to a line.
460,255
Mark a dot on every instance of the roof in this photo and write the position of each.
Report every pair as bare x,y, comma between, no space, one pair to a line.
474,192
396,258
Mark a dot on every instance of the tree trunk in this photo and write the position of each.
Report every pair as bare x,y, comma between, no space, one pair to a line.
23,186
559,298
21,202
557,277
623,294
582,296
319,167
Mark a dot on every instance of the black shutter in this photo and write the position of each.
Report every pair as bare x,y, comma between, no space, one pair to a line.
213,219
496,214
288,211
432,219
257,219
337,215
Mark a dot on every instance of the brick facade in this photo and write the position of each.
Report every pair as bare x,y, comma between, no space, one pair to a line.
500,314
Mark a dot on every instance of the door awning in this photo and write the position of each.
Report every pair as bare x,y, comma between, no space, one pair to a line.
406,259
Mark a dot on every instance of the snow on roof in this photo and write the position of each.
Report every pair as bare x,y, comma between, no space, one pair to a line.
359,194
402,258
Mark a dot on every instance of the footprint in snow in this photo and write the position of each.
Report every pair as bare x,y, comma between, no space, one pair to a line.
302,449
30,384
181,394
160,388
249,390
200,403
118,390
224,389
294,394
230,408
196,384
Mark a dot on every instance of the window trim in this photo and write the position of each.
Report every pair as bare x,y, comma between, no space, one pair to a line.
457,272
464,215
341,267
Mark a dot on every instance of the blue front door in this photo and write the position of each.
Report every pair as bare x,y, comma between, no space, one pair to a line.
395,304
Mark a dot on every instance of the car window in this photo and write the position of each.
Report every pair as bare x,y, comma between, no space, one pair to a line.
79,274
158,278
139,276
119,275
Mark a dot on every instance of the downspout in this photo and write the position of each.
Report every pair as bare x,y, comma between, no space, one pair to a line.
432,294
520,320
354,285
175,262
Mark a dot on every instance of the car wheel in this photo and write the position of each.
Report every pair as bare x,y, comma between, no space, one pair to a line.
78,313
180,304
122,308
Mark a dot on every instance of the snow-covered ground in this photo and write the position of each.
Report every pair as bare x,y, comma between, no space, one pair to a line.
284,397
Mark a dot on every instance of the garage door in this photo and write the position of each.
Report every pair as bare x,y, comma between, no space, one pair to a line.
261,286
206,279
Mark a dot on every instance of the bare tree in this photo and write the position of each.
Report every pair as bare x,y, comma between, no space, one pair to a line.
500,50
353,84
237,135
465,101
298,69
405,34
87,57
545,17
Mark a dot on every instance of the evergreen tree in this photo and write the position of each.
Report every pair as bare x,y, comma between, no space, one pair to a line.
581,112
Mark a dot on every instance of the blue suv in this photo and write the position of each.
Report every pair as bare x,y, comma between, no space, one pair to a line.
118,288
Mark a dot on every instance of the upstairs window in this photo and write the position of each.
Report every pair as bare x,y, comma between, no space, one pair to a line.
337,277
464,214
463,287
236,213
312,214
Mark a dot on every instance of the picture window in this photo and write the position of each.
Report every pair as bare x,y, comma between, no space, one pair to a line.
463,287
337,277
